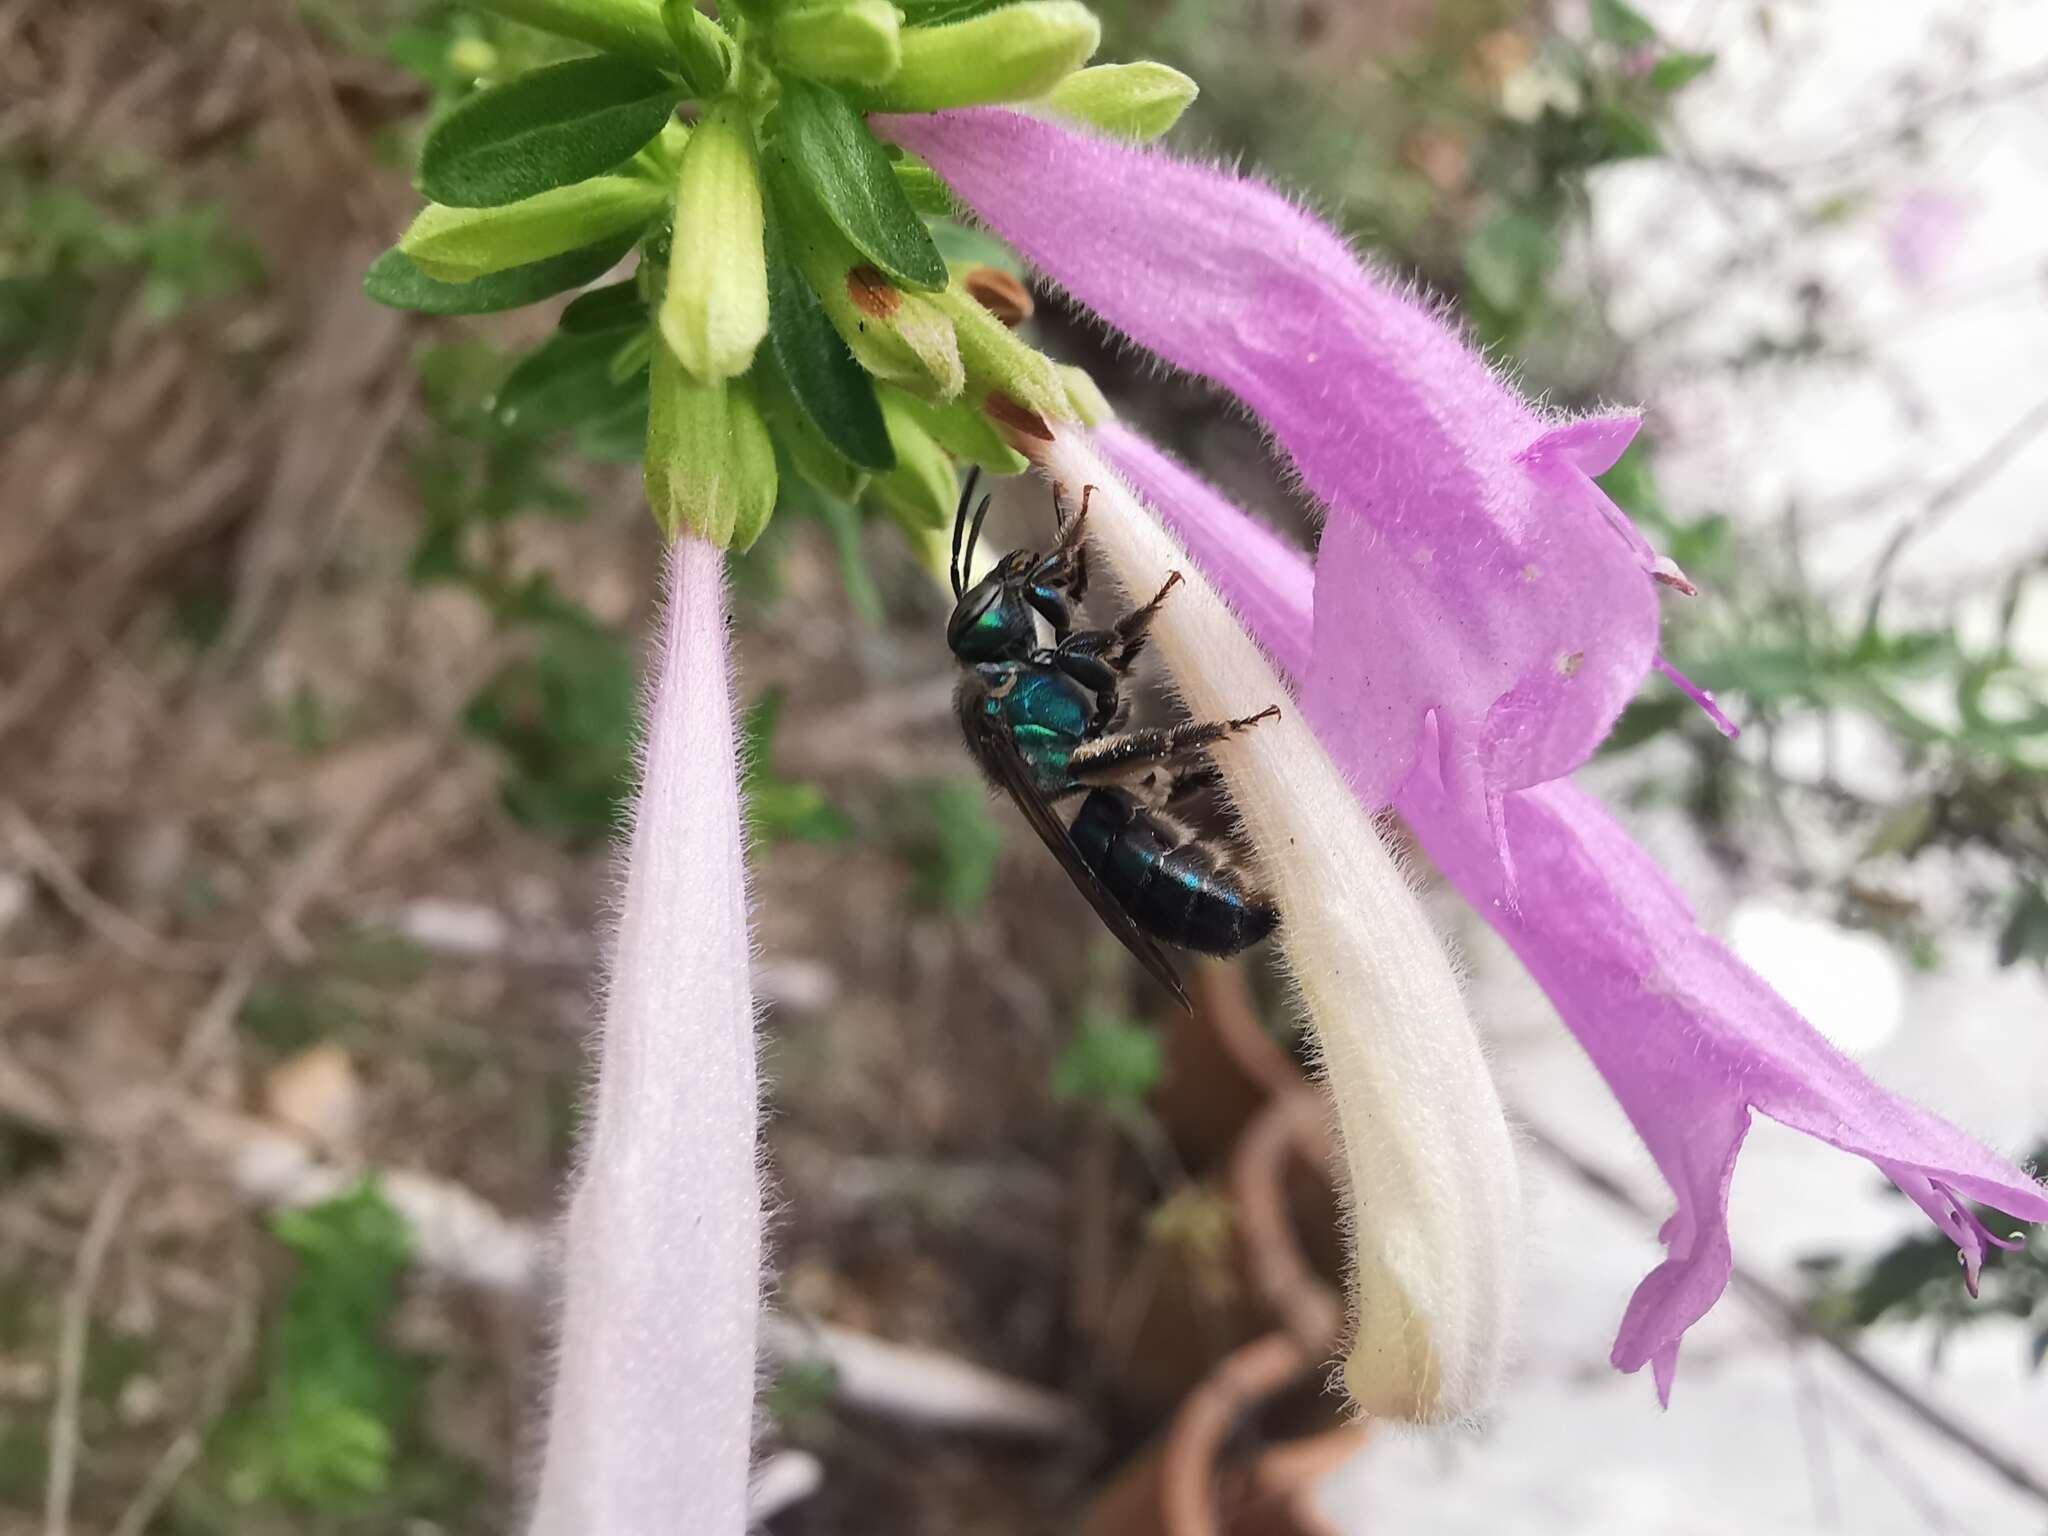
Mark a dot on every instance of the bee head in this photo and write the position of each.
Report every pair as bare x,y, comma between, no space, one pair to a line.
992,621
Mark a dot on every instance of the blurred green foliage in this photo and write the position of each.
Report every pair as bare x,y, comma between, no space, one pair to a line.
1967,723
1914,1280
337,1397
953,842
1112,1062
109,235
777,807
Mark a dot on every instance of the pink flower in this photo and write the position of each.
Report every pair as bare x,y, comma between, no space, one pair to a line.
652,1413
1478,615
1925,228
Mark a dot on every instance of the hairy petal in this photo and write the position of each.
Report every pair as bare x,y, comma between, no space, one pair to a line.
1434,1192
1687,1036
1276,604
651,1418
1482,575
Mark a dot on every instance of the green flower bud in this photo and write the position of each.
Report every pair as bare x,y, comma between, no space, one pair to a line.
858,41
1133,101
1089,403
996,363
959,428
1014,53
710,466
474,57
704,51
459,245
897,335
919,493
716,309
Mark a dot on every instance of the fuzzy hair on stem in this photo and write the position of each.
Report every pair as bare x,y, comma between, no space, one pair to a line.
651,1421
1433,1193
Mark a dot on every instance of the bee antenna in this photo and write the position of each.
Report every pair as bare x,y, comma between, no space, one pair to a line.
959,526
974,534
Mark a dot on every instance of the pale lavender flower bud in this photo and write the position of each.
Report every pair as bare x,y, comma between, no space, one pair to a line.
652,1413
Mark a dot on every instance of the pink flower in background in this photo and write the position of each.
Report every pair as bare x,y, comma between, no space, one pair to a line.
1478,615
651,1419
1923,232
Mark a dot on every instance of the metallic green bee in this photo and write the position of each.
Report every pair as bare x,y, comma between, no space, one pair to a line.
1047,723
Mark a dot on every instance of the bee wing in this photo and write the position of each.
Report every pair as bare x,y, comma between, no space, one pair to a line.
1007,767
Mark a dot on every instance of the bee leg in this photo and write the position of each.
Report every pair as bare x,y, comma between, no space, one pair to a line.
1053,605
1080,657
1132,629
1128,758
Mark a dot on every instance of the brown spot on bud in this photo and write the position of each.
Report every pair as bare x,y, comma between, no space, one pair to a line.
871,293
1021,423
1000,294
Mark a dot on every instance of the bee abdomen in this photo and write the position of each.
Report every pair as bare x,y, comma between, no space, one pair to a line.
1180,891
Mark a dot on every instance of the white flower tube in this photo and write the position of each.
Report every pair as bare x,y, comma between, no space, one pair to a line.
652,1416
1434,1199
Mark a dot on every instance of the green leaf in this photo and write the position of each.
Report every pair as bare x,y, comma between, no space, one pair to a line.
1675,71
1621,134
832,389
962,244
620,438
1621,25
616,307
927,194
565,381
548,128
2025,935
933,13
1509,259
395,282
850,174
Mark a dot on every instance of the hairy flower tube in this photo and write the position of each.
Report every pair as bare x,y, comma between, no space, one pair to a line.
1480,614
651,1418
1435,1206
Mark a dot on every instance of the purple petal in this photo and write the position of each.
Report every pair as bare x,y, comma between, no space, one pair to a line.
1275,606
652,1413
1688,1037
1484,577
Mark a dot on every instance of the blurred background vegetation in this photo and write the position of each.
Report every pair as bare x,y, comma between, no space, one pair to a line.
318,676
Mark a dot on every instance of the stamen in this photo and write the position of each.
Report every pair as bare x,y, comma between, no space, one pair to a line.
1698,695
